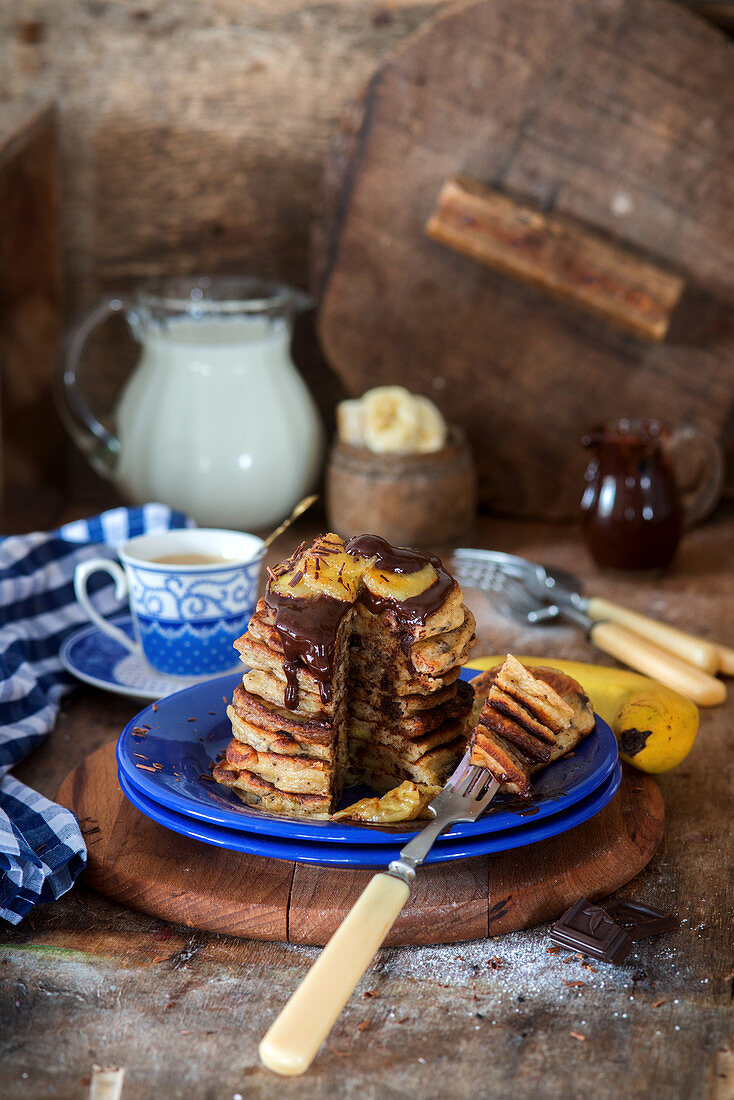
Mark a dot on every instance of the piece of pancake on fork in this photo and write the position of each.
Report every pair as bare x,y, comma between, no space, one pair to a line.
524,718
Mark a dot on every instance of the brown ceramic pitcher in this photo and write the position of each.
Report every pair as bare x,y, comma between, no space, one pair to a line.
645,483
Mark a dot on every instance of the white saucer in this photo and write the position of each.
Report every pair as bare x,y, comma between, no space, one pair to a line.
92,656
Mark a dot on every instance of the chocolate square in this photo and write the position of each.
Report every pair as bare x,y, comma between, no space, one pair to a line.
588,928
640,921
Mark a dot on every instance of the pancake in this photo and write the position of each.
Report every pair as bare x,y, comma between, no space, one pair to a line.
514,746
260,794
354,655
294,774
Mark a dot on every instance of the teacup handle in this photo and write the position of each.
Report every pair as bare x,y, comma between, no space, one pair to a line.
81,574
699,468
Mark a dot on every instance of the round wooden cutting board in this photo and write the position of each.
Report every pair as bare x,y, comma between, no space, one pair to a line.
146,867
609,123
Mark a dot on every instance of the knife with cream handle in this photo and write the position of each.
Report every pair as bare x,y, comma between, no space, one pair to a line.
292,1041
515,597
696,651
650,659
726,660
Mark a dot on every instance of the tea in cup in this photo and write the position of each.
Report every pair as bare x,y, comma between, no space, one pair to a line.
192,592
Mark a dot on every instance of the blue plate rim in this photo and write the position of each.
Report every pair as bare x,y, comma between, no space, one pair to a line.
316,831
359,856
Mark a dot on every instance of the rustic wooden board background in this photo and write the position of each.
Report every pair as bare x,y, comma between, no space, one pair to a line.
575,109
30,304
193,137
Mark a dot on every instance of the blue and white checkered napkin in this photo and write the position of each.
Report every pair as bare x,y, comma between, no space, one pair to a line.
41,846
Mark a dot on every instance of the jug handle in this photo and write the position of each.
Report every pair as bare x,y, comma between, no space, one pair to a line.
100,446
700,484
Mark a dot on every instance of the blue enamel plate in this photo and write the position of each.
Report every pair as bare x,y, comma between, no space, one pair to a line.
165,754
354,855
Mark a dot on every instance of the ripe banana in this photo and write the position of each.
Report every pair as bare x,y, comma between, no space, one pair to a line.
391,420
654,725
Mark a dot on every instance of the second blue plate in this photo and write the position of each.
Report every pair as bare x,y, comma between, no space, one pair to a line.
447,847
166,752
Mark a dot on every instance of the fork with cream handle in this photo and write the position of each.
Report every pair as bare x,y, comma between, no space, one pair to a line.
292,1041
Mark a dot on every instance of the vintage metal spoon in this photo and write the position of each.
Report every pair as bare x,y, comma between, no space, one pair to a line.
300,508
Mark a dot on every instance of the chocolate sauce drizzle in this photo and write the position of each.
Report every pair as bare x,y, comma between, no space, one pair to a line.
308,627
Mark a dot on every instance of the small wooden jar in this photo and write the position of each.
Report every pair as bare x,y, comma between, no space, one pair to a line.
411,500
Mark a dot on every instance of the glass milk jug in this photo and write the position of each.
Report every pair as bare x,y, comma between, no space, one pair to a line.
215,420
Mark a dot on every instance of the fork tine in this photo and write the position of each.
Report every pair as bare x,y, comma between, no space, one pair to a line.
459,771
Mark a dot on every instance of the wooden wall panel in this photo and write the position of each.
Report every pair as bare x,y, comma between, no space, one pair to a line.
31,436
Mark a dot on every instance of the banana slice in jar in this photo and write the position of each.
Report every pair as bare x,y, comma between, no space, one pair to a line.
432,427
391,420
350,422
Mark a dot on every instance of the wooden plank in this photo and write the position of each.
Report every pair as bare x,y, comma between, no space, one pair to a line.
161,873
448,903
598,857
31,437
564,260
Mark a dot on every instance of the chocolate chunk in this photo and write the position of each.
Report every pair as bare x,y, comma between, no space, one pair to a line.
640,921
588,928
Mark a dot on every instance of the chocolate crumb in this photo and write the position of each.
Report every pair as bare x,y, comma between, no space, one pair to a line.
369,993
573,983
296,578
656,1004
577,1035
363,1026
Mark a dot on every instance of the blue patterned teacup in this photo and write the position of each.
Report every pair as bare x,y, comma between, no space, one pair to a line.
192,592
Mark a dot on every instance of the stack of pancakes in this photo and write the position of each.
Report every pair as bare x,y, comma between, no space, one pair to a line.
527,718
354,656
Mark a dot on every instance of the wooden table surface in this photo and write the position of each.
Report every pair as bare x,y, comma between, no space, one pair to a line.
84,981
